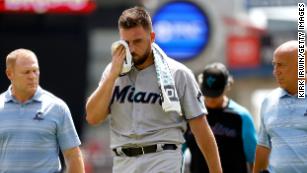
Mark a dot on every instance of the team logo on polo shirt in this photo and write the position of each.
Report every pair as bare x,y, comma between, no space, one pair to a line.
38,116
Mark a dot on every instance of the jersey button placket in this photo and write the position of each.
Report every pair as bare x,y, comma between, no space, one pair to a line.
136,106
22,109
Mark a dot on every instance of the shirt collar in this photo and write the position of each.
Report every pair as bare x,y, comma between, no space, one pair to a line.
8,96
283,93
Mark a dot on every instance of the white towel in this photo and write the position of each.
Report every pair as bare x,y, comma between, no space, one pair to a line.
169,96
128,59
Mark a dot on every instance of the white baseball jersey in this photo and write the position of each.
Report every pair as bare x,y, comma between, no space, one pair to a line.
136,114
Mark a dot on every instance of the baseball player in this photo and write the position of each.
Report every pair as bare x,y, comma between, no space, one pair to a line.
144,137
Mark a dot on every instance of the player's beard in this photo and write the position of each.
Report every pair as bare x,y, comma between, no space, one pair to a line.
139,61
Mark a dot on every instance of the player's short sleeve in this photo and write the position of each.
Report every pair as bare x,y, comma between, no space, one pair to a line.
108,67
249,136
191,98
66,133
263,136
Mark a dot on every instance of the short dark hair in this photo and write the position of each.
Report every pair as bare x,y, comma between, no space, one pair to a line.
133,17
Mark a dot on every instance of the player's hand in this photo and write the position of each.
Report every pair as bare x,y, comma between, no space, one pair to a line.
118,58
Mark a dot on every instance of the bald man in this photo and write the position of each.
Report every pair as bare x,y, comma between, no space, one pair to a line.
282,144
34,124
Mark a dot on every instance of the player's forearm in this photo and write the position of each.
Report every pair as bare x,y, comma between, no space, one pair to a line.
207,144
262,159
74,161
75,166
250,167
97,106
210,150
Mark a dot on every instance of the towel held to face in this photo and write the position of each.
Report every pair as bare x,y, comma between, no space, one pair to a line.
168,92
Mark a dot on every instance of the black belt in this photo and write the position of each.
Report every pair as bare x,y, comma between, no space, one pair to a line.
131,152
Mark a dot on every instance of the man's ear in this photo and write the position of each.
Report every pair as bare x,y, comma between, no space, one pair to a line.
9,73
152,36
